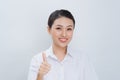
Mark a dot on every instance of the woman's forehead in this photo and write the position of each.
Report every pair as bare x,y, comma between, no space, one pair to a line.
63,21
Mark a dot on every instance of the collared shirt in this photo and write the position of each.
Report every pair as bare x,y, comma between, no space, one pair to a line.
72,67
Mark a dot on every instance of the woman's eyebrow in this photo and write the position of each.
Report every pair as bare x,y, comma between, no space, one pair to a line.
62,26
59,25
69,26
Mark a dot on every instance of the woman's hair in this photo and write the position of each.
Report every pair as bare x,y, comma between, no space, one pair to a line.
59,13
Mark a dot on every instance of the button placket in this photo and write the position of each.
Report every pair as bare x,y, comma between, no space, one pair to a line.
61,72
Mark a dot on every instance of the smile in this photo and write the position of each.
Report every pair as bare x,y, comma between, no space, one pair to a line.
63,39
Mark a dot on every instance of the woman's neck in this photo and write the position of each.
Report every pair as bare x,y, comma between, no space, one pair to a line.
59,52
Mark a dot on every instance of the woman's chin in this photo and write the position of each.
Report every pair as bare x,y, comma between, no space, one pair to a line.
63,45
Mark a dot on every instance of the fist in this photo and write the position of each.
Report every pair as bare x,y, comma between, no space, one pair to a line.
44,67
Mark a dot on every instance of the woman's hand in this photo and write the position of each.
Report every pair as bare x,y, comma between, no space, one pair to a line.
44,68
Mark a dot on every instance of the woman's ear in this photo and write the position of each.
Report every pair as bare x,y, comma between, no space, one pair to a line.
48,29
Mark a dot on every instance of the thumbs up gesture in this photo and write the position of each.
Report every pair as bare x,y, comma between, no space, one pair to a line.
44,67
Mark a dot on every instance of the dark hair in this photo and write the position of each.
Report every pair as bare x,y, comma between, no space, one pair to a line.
59,13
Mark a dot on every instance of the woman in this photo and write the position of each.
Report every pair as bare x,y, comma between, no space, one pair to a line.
59,62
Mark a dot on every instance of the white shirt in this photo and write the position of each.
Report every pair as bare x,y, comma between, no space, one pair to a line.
73,67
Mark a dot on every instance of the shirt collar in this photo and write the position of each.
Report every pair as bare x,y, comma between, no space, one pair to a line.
49,52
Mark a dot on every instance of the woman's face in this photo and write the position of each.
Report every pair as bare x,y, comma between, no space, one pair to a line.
62,31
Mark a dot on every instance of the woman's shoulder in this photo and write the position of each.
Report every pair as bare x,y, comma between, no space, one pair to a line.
80,55
77,53
37,58
38,55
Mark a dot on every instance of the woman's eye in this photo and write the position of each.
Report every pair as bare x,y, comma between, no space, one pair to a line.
58,28
69,29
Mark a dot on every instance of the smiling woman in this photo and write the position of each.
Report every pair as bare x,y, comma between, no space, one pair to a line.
59,61
61,31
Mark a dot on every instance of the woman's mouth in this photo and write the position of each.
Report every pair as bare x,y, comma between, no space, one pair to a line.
63,39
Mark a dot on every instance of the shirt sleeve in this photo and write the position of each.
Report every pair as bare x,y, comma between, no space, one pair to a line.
34,68
89,71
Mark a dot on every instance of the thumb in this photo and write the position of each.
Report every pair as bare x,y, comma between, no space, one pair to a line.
44,57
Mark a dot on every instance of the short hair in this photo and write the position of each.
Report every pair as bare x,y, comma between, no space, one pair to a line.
59,13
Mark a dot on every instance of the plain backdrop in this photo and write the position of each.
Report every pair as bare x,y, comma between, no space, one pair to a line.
23,34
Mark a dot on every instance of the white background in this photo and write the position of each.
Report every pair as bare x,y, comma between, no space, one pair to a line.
23,33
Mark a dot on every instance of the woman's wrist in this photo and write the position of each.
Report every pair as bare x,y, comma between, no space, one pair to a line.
40,77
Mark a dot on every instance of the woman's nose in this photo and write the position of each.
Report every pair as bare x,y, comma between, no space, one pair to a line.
64,33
